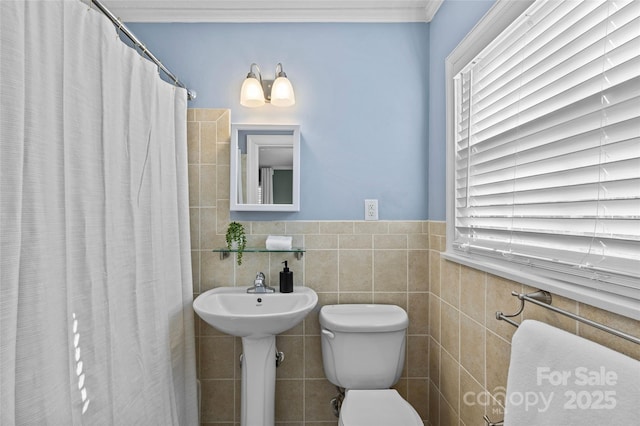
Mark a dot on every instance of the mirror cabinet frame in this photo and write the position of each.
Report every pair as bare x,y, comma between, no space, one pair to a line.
263,129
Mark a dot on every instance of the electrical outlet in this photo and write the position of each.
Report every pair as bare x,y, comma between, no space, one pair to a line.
370,209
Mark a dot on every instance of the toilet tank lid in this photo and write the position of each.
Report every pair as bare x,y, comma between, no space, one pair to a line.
363,318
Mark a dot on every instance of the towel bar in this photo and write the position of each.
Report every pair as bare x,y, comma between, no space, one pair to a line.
543,298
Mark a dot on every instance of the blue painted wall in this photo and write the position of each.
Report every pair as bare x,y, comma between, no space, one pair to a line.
454,20
370,102
362,99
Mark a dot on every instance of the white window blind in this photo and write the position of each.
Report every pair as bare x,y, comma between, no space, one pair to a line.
547,146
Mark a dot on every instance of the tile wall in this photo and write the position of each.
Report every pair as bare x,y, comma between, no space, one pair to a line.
469,349
455,345
345,262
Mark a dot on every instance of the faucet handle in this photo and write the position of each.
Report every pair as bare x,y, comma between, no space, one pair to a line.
259,286
259,281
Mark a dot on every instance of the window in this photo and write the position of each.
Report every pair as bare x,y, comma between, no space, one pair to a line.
544,151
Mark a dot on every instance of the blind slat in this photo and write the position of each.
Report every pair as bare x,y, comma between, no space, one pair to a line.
504,194
607,209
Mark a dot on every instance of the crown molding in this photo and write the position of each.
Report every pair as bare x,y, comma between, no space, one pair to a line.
274,10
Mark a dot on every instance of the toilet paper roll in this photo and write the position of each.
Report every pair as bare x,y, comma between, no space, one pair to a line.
279,242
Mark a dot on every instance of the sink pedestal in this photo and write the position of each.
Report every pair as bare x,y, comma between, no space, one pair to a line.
258,381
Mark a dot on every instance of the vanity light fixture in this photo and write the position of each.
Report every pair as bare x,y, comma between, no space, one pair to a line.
256,91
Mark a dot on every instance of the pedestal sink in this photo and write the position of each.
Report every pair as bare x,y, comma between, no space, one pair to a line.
257,318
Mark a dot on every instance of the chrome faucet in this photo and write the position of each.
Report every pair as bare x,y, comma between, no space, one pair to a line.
259,285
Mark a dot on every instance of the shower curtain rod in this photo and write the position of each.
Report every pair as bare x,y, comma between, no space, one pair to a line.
191,94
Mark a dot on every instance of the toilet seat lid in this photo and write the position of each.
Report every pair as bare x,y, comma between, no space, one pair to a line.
381,407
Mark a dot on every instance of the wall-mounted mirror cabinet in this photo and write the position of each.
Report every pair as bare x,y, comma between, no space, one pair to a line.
265,167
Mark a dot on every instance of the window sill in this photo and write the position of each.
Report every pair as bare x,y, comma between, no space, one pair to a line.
603,300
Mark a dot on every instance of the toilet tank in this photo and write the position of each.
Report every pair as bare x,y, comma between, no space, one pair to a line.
363,346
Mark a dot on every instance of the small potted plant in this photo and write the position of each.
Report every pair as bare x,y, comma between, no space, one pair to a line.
236,239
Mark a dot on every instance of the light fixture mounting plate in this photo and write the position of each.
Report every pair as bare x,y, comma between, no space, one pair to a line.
266,88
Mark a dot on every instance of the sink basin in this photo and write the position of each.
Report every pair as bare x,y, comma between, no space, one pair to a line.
234,311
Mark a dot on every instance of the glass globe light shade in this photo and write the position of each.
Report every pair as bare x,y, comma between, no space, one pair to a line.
282,93
251,94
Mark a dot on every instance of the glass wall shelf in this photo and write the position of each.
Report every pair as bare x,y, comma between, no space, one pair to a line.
225,252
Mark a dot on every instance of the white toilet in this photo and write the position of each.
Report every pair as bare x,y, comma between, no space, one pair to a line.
363,349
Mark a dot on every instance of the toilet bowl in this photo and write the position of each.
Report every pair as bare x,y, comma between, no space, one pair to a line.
363,348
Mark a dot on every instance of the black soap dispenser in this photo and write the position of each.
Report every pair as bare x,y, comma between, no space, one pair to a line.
286,279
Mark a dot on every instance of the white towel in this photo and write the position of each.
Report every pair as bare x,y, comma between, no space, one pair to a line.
278,242
559,379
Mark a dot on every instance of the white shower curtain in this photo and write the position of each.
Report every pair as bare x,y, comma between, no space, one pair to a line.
266,185
95,292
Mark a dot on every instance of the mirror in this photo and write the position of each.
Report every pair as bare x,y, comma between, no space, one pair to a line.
265,167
